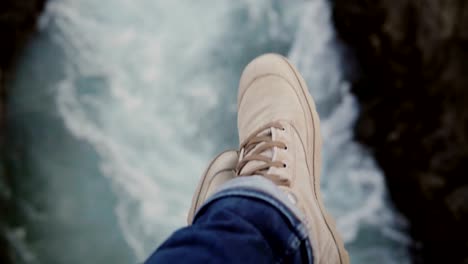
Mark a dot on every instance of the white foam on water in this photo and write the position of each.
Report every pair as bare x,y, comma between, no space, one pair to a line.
141,108
141,75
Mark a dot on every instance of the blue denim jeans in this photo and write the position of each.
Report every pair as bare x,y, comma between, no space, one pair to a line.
247,221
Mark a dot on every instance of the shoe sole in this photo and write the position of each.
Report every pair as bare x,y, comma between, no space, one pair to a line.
316,165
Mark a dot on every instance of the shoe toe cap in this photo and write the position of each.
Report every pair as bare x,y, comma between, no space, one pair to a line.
264,65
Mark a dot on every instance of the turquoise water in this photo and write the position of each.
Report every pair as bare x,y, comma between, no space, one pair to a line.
118,106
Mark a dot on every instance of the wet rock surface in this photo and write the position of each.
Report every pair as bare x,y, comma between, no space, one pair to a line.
412,84
18,20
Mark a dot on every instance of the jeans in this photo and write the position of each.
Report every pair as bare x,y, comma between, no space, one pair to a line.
247,221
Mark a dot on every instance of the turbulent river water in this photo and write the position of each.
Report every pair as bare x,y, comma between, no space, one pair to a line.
119,104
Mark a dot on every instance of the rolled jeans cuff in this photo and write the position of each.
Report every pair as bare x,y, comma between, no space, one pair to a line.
258,187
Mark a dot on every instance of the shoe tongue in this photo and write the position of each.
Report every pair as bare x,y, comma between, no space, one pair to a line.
268,153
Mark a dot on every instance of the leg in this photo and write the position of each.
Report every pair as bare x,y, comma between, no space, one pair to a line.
235,229
263,204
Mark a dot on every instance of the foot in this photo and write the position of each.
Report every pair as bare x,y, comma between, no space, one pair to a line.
280,139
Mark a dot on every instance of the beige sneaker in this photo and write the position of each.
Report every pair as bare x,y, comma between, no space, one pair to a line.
280,139
220,170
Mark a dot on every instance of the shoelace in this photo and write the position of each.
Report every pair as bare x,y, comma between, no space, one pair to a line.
251,151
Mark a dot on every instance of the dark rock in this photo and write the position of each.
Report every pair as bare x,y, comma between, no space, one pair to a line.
17,23
413,88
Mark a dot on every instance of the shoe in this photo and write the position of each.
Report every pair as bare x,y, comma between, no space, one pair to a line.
279,131
221,169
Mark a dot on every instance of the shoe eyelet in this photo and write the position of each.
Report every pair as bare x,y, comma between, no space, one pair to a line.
285,147
284,129
284,165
